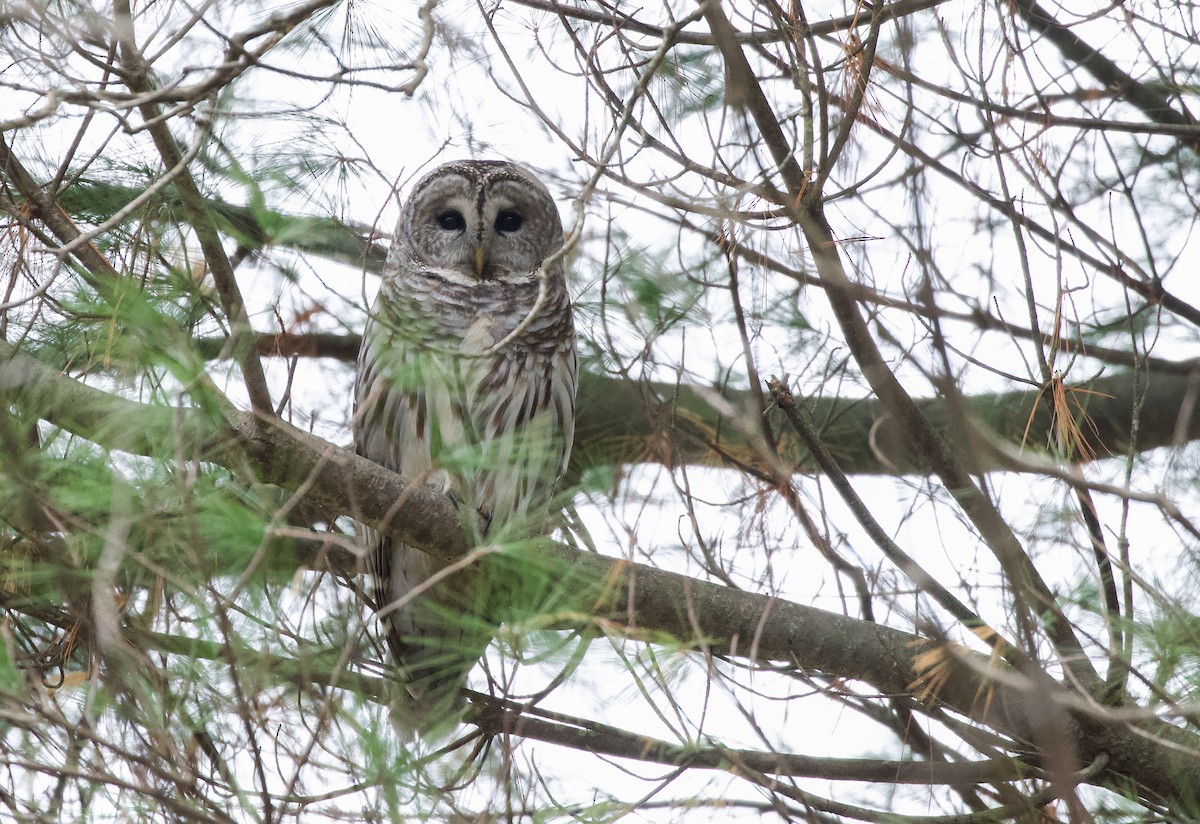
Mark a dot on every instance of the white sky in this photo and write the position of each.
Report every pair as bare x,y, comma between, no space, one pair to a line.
460,111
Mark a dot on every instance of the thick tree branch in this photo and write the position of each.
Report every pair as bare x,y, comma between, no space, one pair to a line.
615,425
1162,760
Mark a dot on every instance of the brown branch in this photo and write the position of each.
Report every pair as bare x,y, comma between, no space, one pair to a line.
626,23
136,74
495,716
1162,760
1146,97
616,427
44,208
926,440
803,425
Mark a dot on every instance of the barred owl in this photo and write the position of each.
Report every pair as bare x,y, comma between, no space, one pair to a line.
465,382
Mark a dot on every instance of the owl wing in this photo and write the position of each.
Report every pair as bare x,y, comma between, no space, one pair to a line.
400,391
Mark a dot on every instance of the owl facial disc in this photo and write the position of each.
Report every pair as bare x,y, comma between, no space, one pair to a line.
480,222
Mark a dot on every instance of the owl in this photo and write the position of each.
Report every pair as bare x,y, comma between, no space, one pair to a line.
465,382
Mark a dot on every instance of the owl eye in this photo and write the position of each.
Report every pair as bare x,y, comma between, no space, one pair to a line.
451,220
508,221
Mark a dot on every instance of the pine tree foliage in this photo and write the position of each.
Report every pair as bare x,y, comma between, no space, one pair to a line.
882,502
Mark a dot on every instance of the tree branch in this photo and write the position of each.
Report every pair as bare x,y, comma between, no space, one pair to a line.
732,622
137,76
1148,98
616,427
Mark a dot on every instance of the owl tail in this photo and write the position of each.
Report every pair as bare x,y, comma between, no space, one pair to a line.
435,640
433,668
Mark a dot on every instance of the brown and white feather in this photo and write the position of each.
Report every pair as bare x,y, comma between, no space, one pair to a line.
435,404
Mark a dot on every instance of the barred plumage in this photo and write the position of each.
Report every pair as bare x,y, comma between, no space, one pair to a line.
435,403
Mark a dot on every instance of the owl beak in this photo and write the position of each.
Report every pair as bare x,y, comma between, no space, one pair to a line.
480,261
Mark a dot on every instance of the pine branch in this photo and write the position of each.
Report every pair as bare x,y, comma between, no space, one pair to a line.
1162,760
137,76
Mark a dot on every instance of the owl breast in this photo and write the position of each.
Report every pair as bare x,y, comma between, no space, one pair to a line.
492,427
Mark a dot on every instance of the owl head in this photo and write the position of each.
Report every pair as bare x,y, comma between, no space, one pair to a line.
478,221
